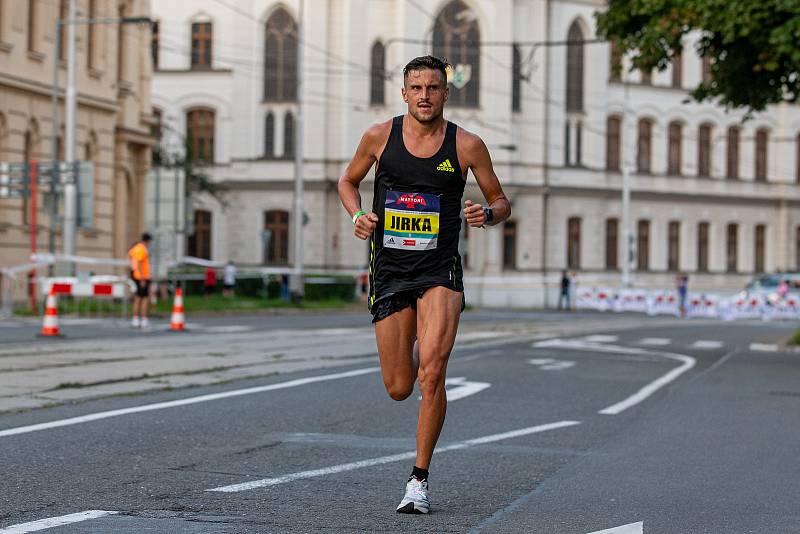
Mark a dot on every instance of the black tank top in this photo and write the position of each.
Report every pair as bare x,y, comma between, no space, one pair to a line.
418,203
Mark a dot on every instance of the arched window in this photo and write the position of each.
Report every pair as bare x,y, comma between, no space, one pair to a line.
762,138
516,79
704,150
200,134
288,136
574,243
201,45
613,130
644,145
276,237
575,68
280,57
674,139
732,167
456,36
269,136
377,74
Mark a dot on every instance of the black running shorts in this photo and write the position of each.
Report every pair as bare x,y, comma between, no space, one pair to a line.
401,300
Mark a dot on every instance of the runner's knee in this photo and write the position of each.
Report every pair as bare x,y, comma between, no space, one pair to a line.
431,377
398,390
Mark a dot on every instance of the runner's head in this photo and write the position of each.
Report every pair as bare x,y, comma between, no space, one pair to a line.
146,238
425,87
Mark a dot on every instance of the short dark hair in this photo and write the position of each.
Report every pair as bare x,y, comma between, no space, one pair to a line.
427,62
146,237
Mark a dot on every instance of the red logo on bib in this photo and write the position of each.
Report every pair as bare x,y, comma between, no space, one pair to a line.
411,200
409,242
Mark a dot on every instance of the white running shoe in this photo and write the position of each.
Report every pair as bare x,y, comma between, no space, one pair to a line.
145,322
416,498
135,323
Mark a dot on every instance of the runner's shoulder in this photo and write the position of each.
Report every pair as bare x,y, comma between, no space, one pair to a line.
377,134
468,145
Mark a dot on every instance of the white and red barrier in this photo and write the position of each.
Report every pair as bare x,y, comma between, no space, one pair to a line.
105,286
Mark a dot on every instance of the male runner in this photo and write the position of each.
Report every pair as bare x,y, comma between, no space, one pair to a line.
416,283
139,259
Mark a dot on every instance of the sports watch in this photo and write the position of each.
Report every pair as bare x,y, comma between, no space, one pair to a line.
487,212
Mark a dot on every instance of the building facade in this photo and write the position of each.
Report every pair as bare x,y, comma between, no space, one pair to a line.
114,119
712,195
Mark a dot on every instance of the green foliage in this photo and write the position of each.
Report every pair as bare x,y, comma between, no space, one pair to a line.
753,46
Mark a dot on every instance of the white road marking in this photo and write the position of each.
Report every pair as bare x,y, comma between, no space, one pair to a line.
184,402
600,338
462,388
265,482
51,522
706,344
549,364
763,347
632,528
229,329
643,393
654,341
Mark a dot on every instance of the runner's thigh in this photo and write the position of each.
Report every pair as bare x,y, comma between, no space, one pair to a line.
395,337
438,313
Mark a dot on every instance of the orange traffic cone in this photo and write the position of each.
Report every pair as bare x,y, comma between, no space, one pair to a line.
177,322
50,322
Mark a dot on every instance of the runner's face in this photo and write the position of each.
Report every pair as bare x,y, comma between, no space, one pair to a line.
425,91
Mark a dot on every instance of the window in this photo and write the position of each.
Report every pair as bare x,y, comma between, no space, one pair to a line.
762,138
675,137
612,246
154,35
759,247
30,151
615,63
63,14
677,71
516,79
797,159
90,35
33,24
613,128
574,243
457,37
200,134
509,245
276,237
645,134
647,78
732,245
280,58
643,245
269,136
704,150
673,245
702,247
199,245
706,70
575,69
377,74
288,136
732,166
201,45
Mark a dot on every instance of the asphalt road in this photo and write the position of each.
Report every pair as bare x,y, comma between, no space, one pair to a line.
704,437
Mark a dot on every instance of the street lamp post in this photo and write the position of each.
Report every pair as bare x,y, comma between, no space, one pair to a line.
70,188
297,283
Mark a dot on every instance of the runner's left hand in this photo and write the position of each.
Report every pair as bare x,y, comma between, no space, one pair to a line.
474,214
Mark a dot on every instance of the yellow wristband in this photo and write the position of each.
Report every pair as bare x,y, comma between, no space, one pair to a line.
357,215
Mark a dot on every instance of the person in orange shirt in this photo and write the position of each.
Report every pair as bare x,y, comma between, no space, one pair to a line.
139,258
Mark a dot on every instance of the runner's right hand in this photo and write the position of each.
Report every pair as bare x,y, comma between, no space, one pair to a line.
365,225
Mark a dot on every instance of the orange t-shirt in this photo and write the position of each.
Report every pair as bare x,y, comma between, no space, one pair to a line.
140,262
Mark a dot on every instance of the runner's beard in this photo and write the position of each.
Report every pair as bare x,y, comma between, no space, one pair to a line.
435,116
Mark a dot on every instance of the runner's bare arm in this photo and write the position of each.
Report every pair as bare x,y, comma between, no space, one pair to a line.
477,158
367,153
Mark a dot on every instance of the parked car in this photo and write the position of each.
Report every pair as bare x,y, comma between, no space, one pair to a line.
768,282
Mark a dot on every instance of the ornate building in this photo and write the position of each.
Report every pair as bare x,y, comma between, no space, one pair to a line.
712,196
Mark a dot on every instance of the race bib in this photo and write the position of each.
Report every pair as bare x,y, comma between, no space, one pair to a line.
410,221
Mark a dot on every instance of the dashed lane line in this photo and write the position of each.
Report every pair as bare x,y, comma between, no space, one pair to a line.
51,522
631,528
266,482
763,347
705,344
600,338
654,341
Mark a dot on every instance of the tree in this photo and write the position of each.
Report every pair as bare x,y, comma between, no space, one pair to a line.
752,45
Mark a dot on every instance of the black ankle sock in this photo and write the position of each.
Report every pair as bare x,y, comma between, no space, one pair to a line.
419,473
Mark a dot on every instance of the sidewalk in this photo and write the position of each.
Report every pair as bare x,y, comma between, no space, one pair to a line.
51,372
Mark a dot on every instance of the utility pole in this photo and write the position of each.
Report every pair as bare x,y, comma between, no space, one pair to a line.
297,283
627,236
70,188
